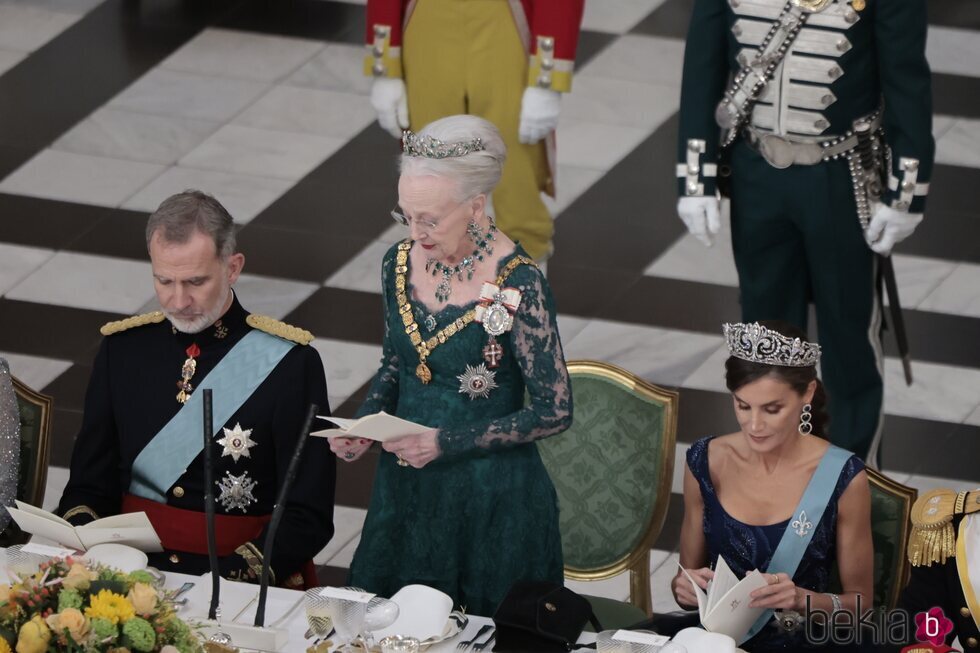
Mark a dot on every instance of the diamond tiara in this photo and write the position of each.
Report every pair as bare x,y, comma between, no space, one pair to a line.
757,344
432,148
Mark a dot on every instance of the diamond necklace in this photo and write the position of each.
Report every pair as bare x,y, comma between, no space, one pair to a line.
466,265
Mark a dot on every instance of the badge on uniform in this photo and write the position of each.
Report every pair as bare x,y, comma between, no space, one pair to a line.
237,442
236,492
477,381
495,312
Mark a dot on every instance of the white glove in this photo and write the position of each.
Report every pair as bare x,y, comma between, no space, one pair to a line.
390,102
889,227
539,114
702,216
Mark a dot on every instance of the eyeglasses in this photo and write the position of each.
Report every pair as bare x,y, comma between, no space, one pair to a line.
404,220
398,214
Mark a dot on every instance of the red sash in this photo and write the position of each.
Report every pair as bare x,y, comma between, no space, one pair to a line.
186,530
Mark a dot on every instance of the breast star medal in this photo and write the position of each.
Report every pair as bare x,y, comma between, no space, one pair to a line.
237,442
477,381
187,372
496,312
236,492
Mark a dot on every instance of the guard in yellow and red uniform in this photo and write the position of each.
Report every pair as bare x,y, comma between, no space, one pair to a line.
504,61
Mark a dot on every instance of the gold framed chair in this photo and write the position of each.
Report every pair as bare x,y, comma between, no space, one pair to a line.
613,470
35,436
891,508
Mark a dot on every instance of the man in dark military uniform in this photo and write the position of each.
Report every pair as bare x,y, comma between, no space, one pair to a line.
140,446
826,107
945,553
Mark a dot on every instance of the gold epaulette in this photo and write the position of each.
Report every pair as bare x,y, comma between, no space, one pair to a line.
933,538
128,323
280,329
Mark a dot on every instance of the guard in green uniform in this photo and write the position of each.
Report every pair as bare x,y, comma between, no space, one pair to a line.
814,117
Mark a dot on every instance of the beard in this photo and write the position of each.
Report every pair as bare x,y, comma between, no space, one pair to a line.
200,322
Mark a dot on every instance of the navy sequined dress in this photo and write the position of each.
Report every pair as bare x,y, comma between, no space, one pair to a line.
746,547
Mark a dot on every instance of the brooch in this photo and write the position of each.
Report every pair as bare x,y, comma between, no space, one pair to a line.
495,311
237,442
800,525
236,491
477,381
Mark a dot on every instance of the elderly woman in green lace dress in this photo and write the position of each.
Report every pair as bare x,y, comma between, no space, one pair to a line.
9,444
470,329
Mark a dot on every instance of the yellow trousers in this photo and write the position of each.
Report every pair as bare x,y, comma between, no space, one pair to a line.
465,56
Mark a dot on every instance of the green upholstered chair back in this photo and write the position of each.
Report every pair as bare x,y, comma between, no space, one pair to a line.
35,433
612,470
891,506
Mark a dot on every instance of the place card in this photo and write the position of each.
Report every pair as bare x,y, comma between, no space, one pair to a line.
48,551
640,638
345,594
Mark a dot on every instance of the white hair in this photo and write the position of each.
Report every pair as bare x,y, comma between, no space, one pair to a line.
474,173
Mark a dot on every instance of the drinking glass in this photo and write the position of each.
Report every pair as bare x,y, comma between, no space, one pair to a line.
23,563
381,613
348,618
317,613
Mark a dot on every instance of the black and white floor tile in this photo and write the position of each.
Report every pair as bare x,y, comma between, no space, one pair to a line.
109,106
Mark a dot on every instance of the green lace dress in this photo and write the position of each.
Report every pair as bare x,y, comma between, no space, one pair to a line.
484,514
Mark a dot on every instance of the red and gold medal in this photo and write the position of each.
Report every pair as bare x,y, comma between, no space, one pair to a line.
187,372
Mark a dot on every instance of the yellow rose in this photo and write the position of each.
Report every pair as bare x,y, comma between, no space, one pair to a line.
78,578
144,599
34,636
4,592
71,620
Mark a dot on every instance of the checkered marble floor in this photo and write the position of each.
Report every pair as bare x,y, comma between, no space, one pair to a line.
108,107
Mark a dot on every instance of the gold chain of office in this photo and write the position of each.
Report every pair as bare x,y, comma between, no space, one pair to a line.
425,347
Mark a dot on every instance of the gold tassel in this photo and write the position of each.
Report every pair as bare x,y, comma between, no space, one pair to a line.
932,538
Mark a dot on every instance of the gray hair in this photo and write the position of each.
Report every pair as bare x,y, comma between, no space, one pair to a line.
180,215
474,173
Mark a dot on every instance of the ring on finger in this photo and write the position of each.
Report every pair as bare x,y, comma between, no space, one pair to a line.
349,455
402,462
775,580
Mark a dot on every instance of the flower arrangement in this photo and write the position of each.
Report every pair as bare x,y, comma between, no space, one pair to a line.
70,605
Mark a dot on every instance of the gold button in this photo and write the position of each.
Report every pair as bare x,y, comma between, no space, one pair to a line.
174,558
965,611
178,491
971,642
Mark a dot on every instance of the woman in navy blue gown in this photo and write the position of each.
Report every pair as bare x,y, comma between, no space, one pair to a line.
743,491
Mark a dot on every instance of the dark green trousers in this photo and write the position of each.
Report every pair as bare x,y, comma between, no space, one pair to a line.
797,239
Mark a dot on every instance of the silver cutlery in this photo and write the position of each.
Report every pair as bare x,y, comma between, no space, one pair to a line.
183,589
485,644
465,646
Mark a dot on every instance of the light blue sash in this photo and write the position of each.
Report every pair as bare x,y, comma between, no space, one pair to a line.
796,538
234,379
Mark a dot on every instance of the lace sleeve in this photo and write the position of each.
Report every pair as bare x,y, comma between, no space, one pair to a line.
9,443
383,393
535,342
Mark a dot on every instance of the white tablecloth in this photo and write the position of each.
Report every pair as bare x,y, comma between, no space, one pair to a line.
293,620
